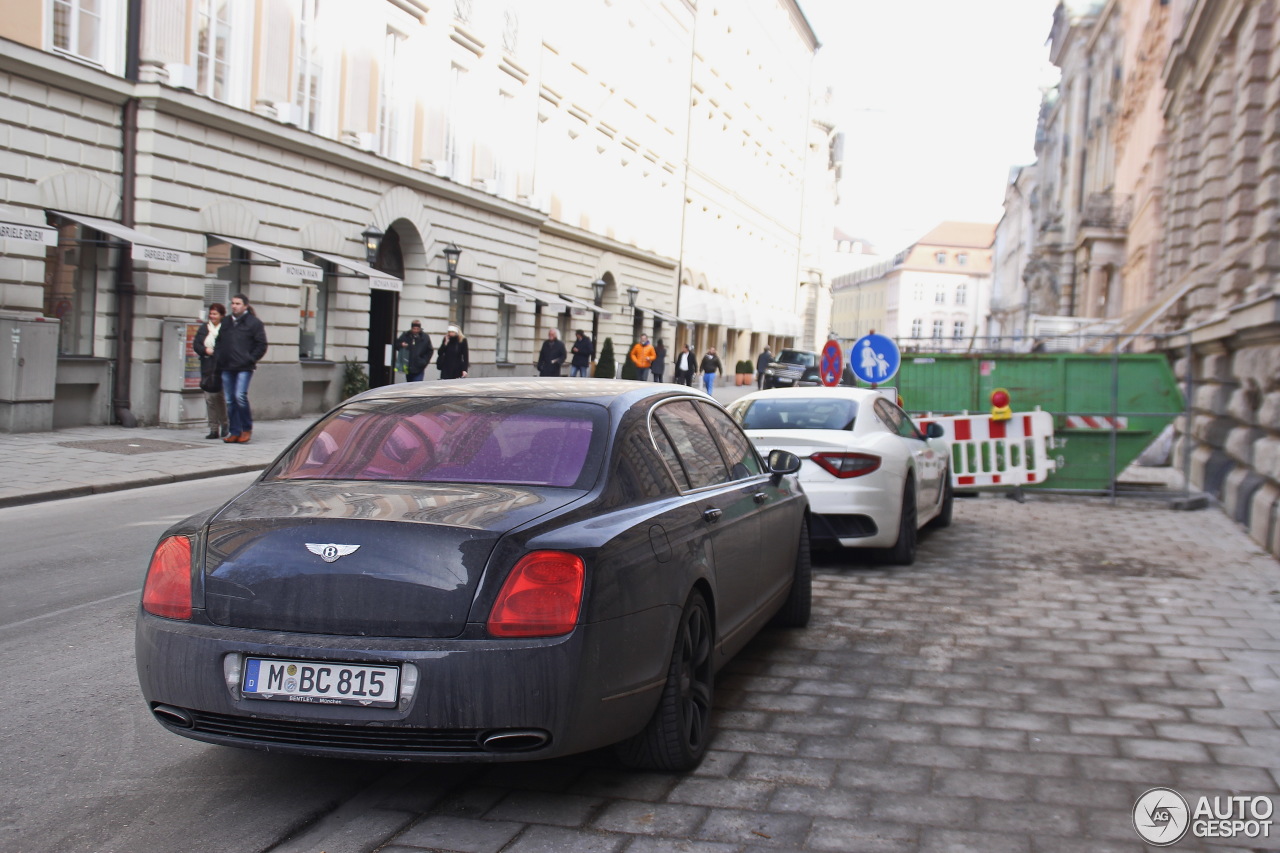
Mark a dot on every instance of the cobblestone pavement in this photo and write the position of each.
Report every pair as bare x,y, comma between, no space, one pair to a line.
1039,667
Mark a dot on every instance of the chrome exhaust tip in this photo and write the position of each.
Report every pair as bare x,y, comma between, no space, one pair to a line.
515,740
174,716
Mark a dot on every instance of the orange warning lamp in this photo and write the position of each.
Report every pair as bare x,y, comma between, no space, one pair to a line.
1000,410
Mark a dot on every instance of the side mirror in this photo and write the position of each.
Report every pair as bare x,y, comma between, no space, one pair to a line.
783,462
935,430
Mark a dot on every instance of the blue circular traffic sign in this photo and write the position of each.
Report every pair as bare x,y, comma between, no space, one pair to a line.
832,364
874,359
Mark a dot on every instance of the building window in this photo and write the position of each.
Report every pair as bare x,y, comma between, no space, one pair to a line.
313,316
958,332
916,327
940,294
504,146
937,329
460,304
940,257
962,258
78,27
391,118
71,285
961,293
226,273
213,48
309,93
453,153
506,319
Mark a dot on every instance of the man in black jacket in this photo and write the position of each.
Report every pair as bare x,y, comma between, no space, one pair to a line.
241,345
583,349
552,355
417,351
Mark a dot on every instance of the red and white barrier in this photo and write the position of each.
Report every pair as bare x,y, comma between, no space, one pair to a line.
986,452
1095,422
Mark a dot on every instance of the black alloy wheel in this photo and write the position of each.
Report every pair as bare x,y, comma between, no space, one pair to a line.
677,735
903,552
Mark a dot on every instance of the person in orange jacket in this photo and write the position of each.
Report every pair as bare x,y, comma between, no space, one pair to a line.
642,355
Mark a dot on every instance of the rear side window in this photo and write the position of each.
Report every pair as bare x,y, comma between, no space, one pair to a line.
451,440
696,451
742,457
896,420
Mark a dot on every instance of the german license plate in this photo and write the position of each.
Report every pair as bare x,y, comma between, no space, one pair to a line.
321,682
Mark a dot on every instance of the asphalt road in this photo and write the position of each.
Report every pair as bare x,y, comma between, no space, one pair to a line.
82,765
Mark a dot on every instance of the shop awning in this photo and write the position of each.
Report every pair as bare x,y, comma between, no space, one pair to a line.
290,265
582,306
378,280
40,234
145,247
668,318
508,296
551,300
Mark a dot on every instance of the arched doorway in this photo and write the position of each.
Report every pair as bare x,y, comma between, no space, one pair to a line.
384,313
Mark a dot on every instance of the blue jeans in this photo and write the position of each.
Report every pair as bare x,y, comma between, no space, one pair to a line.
414,377
709,380
574,370
235,387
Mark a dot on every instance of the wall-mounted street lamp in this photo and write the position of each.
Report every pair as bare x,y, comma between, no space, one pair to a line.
372,241
632,293
451,255
598,288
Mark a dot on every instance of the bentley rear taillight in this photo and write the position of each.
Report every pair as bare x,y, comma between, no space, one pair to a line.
541,596
167,591
846,465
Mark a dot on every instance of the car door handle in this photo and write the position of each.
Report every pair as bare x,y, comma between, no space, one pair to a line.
712,514
760,497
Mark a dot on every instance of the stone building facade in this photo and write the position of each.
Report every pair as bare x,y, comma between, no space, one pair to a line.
153,165
1181,131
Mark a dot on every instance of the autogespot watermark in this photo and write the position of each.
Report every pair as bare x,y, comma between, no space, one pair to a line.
1163,817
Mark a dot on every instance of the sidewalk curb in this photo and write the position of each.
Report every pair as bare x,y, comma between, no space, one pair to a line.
123,485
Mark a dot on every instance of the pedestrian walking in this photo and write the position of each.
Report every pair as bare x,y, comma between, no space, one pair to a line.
203,344
552,354
659,365
642,355
762,362
583,349
452,359
686,363
416,350
709,366
242,342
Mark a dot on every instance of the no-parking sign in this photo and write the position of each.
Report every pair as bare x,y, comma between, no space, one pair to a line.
832,364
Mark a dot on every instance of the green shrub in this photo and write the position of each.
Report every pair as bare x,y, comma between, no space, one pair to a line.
629,369
744,366
604,364
354,379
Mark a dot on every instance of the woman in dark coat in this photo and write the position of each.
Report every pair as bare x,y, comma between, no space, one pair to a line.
215,403
452,358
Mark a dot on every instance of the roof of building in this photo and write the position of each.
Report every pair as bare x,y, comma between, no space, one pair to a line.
969,235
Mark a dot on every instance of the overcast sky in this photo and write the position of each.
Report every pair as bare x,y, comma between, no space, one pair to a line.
937,100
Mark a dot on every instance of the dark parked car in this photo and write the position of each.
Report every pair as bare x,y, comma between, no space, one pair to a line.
792,368
479,570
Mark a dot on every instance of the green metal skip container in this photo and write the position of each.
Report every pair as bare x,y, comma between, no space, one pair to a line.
1092,397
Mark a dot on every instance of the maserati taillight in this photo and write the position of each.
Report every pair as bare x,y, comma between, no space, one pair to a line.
541,596
846,465
167,591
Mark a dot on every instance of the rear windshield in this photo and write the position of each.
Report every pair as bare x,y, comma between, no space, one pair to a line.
791,356
795,413
447,440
